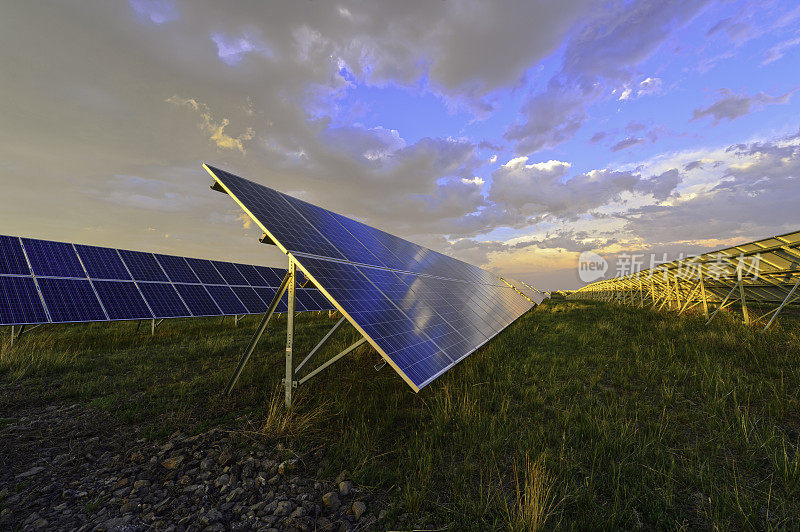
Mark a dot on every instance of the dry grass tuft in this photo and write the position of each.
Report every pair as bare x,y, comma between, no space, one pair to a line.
534,500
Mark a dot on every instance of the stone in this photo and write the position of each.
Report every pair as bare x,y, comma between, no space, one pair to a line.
358,509
172,463
344,488
286,466
222,480
139,484
30,472
283,508
382,515
331,501
206,464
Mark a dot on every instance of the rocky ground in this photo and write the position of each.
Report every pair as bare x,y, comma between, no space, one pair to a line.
72,467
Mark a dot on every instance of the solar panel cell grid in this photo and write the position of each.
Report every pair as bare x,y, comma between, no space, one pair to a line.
226,300
102,263
143,266
197,299
250,273
122,300
163,300
19,302
177,269
250,299
230,273
205,271
70,300
53,259
12,258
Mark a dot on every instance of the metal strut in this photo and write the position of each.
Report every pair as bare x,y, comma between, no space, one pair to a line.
320,344
257,336
783,303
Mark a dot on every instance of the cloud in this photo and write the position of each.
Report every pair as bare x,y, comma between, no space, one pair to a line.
779,50
231,50
731,106
602,51
626,143
156,11
646,87
215,128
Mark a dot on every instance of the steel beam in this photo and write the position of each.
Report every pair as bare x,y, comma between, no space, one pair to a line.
320,344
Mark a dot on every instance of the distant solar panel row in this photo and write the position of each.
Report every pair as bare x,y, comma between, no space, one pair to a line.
57,282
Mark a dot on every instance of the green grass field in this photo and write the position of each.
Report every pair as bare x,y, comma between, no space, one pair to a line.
579,415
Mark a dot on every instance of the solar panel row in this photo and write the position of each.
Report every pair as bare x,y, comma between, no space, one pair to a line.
43,281
422,310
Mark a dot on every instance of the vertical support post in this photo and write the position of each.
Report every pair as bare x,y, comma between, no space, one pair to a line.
236,320
678,292
153,327
745,314
13,330
289,380
703,295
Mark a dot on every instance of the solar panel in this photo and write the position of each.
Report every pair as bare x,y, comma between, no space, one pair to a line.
250,273
143,266
53,259
122,300
70,300
102,263
226,300
19,302
197,299
250,299
272,276
177,269
205,271
12,258
164,300
230,273
422,310
110,293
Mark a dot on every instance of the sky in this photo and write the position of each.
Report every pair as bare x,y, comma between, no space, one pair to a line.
512,135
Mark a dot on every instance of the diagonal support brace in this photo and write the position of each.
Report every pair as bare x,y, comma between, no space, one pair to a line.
331,361
257,336
320,344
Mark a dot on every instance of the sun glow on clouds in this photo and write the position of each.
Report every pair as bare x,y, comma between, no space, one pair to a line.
231,50
215,128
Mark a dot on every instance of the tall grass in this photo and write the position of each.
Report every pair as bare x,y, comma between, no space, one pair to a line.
639,418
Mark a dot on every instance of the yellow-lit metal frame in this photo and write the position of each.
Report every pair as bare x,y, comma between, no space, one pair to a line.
721,278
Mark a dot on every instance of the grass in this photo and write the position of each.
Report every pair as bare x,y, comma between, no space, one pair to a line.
579,415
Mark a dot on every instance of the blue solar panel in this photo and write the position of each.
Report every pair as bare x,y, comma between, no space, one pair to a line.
102,263
12,258
122,300
424,310
197,299
230,273
250,273
53,259
19,302
143,266
250,299
226,300
164,301
70,300
177,269
307,300
274,211
205,271
272,276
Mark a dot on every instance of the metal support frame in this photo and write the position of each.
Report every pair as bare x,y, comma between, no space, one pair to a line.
745,314
289,287
722,304
783,304
288,382
15,335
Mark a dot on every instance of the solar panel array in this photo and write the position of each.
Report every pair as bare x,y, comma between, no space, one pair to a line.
422,310
56,282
